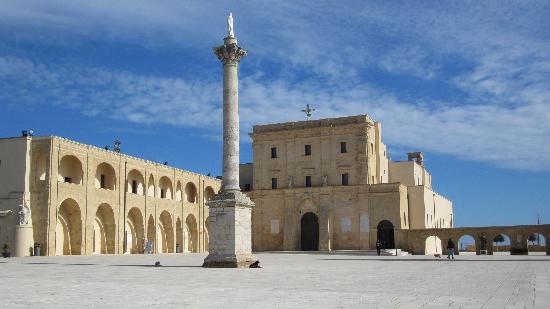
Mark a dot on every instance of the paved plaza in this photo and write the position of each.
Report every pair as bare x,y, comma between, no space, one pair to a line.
287,280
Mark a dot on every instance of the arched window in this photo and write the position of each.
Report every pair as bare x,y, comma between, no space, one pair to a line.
136,183
105,177
70,170
190,193
165,185
151,186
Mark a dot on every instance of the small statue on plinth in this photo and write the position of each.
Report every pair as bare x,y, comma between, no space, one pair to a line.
482,241
23,214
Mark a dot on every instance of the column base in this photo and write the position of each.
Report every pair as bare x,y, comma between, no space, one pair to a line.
230,231
228,261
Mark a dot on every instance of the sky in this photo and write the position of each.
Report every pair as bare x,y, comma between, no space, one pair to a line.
466,82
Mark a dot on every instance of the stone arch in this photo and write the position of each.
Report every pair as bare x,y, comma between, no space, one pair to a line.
135,236
104,230
151,186
190,192
536,243
193,235
136,182
385,233
179,236
206,233
68,232
433,245
208,194
499,246
105,177
165,188
70,170
466,243
166,239
178,191
41,167
309,232
151,230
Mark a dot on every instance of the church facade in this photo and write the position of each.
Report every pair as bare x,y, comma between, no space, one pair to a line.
72,199
328,184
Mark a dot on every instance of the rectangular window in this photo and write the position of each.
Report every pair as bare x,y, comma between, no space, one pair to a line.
67,179
273,152
134,186
343,147
345,179
273,183
307,150
308,181
371,148
102,182
162,193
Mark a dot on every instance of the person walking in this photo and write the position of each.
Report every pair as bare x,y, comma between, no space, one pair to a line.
450,249
378,246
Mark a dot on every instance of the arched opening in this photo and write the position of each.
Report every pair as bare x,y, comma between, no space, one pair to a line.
467,244
136,182
68,236
151,186
165,186
104,230
179,236
151,234
70,170
536,244
135,236
41,167
309,232
208,194
192,234
433,245
384,233
501,244
178,191
105,177
206,235
167,233
190,193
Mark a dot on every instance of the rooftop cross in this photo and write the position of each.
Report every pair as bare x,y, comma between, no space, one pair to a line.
308,111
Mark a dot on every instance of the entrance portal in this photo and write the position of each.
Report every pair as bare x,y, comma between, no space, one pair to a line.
310,232
385,234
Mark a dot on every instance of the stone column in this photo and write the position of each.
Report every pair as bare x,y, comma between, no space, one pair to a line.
231,210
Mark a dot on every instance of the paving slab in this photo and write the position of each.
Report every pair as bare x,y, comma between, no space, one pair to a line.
298,280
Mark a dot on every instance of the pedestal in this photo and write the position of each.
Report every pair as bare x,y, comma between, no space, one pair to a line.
230,232
24,240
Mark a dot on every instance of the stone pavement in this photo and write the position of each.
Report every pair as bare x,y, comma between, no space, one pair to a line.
316,280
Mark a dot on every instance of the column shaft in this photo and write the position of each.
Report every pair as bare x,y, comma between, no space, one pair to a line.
230,180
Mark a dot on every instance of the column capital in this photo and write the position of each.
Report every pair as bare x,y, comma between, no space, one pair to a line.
229,52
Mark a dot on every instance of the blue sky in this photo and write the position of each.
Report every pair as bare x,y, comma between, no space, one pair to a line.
466,82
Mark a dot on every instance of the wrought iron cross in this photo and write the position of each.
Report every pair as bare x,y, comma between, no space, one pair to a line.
308,111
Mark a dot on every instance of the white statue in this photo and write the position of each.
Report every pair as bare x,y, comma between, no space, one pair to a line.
230,32
325,180
290,181
23,214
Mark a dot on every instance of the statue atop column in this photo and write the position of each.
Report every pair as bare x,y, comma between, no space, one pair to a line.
230,32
